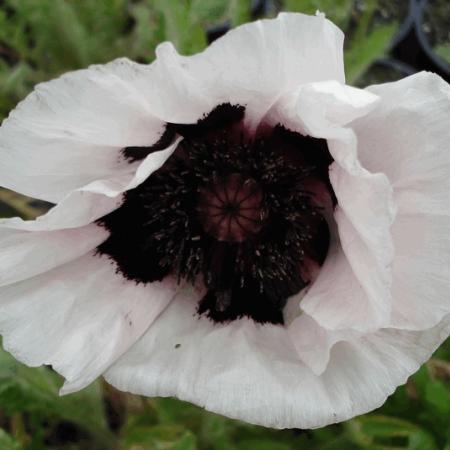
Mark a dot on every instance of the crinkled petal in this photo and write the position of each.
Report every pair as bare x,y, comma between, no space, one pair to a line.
25,254
70,131
412,150
355,281
252,372
322,104
313,343
337,300
251,65
95,200
74,312
407,137
79,317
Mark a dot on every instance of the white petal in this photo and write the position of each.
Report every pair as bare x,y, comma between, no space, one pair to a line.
90,202
253,373
337,300
251,65
314,106
79,317
407,137
412,150
355,281
369,369
313,343
421,271
70,131
25,254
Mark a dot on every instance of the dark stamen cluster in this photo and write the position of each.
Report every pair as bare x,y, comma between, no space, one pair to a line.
230,212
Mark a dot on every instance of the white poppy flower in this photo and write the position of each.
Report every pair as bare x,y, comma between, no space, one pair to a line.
237,228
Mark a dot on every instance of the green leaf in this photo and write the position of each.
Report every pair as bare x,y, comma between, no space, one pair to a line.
443,51
35,390
171,410
437,394
7,442
339,443
239,11
364,51
148,32
216,432
338,11
13,204
209,13
260,444
384,433
159,437
187,36
367,42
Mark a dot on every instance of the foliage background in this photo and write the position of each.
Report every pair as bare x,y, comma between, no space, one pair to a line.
40,39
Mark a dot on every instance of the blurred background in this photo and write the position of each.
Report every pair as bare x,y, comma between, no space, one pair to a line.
41,39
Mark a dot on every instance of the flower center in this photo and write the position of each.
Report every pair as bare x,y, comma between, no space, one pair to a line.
232,211
230,208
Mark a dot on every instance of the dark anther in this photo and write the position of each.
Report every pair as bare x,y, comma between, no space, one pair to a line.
237,213
138,153
222,115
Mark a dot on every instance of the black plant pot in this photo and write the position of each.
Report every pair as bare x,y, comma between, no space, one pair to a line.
411,50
